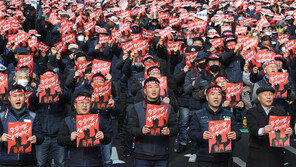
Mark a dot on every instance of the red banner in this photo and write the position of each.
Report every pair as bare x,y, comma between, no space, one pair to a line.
240,30
263,56
42,47
49,83
233,93
100,66
156,118
171,45
87,126
3,86
19,132
102,95
279,80
220,142
277,137
148,65
163,84
190,58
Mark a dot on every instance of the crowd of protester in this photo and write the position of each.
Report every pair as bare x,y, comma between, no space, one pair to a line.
199,47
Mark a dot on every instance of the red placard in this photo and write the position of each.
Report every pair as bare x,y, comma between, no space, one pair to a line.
140,47
53,19
233,93
25,60
156,118
190,58
250,43
148,65
163,84
198,26
69,38
174,22
43,47
127,47
218,44
102,95
135,37
87,126
283,37
3,86
277,137
250,57
240,30
260,23
220,142
279,80
147,34
171,45
166,34
19,132
49,83
103,42
100,66
27,95
60,47
263,56
81,67
290,48
89,28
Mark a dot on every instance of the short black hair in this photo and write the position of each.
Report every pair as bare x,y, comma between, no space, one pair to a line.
151,79
151,68
16,87
79,53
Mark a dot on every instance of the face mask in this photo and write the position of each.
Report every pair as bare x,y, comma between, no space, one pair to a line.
231,46
202,65
268,33
80,38
23,82
214,68
197,48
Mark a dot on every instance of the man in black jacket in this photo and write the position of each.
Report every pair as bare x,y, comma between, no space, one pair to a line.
260,152
51,116
151,150
67,136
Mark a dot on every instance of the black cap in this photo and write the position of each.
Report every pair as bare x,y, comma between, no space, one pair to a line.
264,89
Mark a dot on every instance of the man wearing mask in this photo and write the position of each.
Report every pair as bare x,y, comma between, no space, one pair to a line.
193,105
144,155
18,112
260,152
199,132
22,78
290,27
207,76
196,46
232,61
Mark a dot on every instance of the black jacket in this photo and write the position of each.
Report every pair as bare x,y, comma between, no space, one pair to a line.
81,156
260,152
150,147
